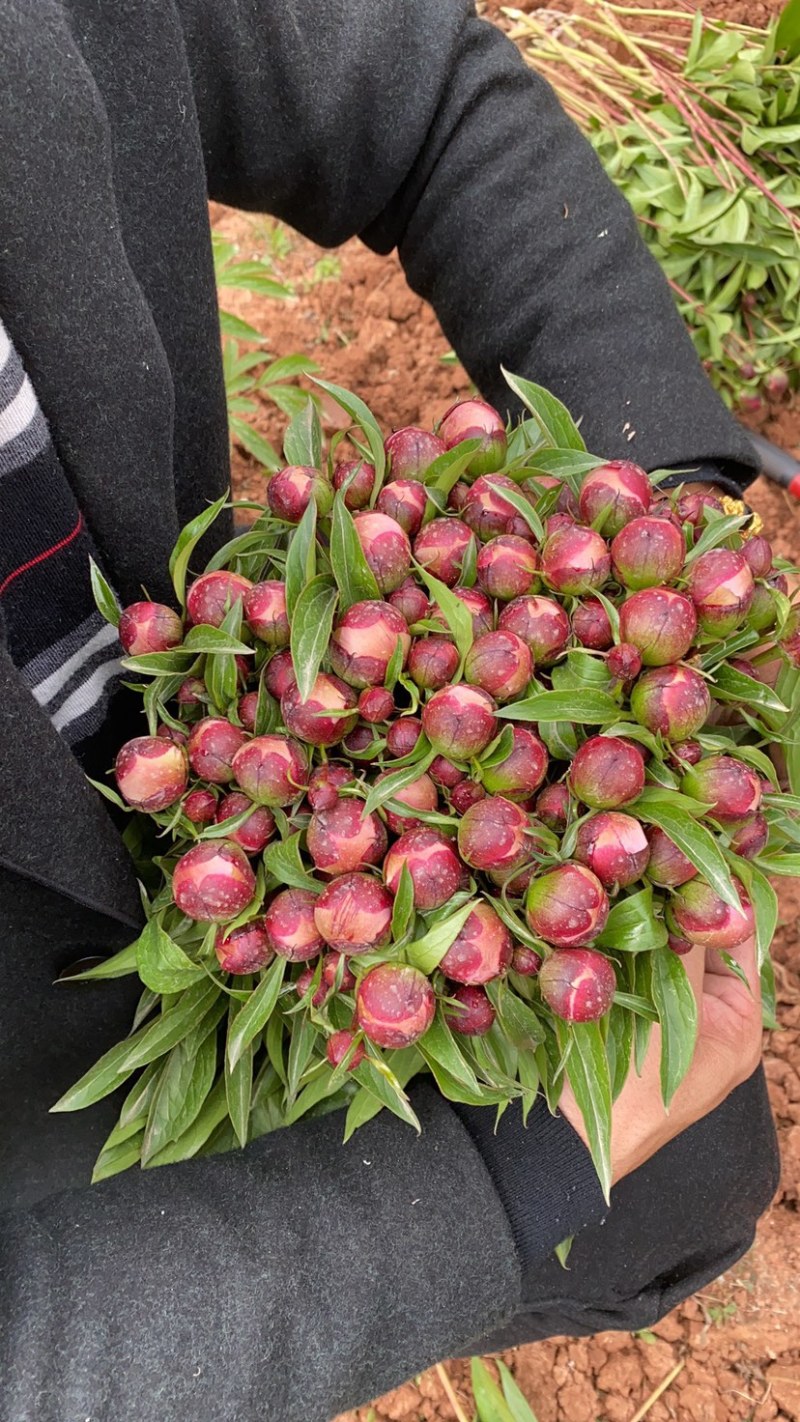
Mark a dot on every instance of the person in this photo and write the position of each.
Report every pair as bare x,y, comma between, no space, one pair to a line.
298,1276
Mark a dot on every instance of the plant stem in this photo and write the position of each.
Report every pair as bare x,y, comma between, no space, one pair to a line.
444,1378
662,1387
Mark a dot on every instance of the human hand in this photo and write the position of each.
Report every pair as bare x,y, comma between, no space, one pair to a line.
727,1052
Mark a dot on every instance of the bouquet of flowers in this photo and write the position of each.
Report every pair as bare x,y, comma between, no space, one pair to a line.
451,757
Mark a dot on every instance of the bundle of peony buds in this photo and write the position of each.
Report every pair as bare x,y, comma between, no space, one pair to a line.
452,757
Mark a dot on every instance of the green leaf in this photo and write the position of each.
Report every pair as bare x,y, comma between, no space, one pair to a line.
489,1400
447,468
186,544
120,966
525,509
765,905
588,1075
385,790
632,926
163,965
240,330
302,442
518,1406
301,560
156,1040
118,1157
787,35
643,980
365,1105
364,418
403,908
256,1012
282,859
354,577
381,1082
696,842
177,1097
426,953
788,687
214,640
518,1020
457,616
104,596
553,418
561,463
239,1086
254,443
311,627
585,708
100,1080
221,672
738,687
439,1048
619,1044
213,1111
676,1005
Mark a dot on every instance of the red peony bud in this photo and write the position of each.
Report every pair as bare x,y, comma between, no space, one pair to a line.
191,692
474,1014
279,674
757,553
542,624
213,743
721,585
553,806
411,452
660,622
211,597
474,419
402,736
478,606
149,627
700,915
482,950
290,491
247,710
672,700
578,984
404,500
750,839
465,794
395,1005
567,906
376,704
614,847
488,514
151,773
435,868
271,770
325,784
731,788
433,662
354,914
386,548
213,882
591,625
259,827
410,601
607,772
342,838
494,835
337,1047
668,866
444,773
499,663
624,662
442,546
290,926
648,552
616,492
508,567
359,490
244,950
525,961
200,806
523,770
308,719
420,794
265,613
459,721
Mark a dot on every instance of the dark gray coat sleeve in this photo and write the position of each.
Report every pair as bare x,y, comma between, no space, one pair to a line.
279,1284
419,127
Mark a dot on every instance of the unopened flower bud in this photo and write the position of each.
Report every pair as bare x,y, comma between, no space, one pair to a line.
659,621
474,419
542,624
731,788
386,548
508,567
614,847
591,625
567,906
411,452
341,839
244,950
624,662
405,501
359,491
279,674
211,597
354,914
721,586
481,951
200,806
149,627
500,663
291,490
459,721
151,773
433,662
668,866
465,794
616,492
213,882
578,984
376,704
494,834
607,772
402,736
698,913
433,864
672,700
271,769
488,514
319,720
410,601
265,613
420,794
256,832
553,806
473,1014
523,770
648,552
337,1047
442,546
395,1005
325,785
290,926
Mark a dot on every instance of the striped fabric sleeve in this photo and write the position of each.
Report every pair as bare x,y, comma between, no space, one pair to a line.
65,653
